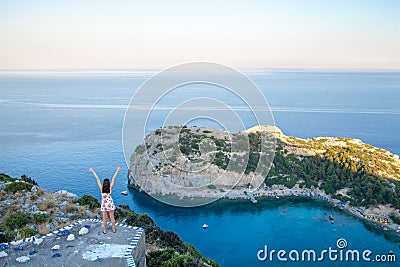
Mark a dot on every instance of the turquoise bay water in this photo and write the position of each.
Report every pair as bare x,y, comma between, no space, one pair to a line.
238,229
54,127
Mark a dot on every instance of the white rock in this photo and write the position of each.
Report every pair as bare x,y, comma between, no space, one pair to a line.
66,193
22,259
38,241
3,254
96,252
34,189
56,247
16,243
83,231
65,203
71,237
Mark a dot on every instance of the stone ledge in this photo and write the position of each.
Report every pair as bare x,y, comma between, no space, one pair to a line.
127,237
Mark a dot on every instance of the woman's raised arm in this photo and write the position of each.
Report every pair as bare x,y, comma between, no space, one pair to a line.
115,176
97,178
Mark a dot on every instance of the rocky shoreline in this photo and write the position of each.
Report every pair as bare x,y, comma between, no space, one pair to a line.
379,215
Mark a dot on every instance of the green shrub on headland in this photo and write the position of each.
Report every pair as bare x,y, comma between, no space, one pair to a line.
27,232
92,202
395,218
17,186
17,220
39,218
154,233
7,236
28,180
170,258
25,183
5,178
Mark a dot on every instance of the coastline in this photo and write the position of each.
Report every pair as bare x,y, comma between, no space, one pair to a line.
332,158
367,216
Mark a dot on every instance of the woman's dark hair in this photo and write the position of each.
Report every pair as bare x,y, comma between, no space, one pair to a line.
106,186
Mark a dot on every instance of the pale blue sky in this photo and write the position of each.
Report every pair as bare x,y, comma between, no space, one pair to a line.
157,34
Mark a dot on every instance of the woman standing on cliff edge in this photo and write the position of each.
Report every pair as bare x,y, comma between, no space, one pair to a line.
107,203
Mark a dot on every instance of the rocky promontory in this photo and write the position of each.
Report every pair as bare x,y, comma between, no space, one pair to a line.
198,162
193,162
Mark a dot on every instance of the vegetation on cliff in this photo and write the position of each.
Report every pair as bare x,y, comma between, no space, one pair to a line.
347,173
88,200
16,185
345,168
12,222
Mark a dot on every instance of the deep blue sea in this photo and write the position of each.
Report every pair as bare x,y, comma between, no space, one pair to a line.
55,126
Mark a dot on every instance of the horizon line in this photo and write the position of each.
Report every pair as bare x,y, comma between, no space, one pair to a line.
155,70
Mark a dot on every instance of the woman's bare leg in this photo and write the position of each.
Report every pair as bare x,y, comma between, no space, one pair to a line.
105,221
112,219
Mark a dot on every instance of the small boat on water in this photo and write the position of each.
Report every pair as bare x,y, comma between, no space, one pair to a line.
125,193
205,226
331,217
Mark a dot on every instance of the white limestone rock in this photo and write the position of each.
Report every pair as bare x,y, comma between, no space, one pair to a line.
83,231
16,243
96,252
65,193
71,237
34,189
23,259
65,203
38,241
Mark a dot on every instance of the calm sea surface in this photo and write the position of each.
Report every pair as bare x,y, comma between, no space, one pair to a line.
53,127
